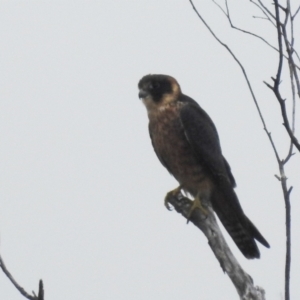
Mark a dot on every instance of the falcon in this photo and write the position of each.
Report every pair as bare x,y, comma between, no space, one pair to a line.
186,142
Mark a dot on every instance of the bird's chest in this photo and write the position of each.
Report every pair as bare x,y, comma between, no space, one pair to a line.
168,135
172,147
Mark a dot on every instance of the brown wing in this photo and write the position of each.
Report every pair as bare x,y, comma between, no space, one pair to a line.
203,138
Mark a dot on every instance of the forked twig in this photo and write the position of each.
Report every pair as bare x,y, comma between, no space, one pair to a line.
227,14
40,295
245,76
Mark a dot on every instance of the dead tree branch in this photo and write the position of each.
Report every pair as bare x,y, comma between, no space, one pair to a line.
40,295
267,17
245,76
209,226
281,32
227,14
296,12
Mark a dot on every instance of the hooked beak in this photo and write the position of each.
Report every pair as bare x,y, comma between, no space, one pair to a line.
143,94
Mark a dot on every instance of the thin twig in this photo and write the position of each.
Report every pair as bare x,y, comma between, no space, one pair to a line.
286,194
266,9
291,59
227,14
258,17
246,78
291,24
221,8
262,10
295,14
284,9
279,69
281,27
291,71
275,88
291,44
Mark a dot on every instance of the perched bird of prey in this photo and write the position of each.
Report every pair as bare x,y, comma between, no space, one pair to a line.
186,142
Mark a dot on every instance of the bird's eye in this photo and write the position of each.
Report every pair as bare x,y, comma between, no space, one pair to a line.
154,85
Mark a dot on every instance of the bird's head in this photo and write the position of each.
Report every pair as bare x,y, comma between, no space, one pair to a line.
158,90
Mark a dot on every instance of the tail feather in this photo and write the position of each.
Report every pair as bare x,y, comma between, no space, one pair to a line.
255,233
240,228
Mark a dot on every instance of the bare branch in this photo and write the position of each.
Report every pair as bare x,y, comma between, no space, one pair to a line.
291,71
290,153
278,77
296,55
286,195
227,14
290,52
284,116
262,18
278,26
292,23
263,11
284,9
221,8
266,9
291,44
245,76
41,291
209,226
295,14
19,288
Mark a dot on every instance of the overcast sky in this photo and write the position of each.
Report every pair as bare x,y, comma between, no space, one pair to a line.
81,190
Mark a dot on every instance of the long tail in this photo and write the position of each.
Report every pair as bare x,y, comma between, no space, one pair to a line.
241,229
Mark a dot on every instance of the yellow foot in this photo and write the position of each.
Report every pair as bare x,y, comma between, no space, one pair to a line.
196,204
174,192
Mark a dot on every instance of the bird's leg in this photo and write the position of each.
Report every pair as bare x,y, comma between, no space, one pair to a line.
174,192
196,204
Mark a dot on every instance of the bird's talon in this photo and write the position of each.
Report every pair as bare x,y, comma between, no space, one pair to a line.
196,204
167,204
173,193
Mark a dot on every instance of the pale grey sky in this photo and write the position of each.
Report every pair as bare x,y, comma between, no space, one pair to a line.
81,193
